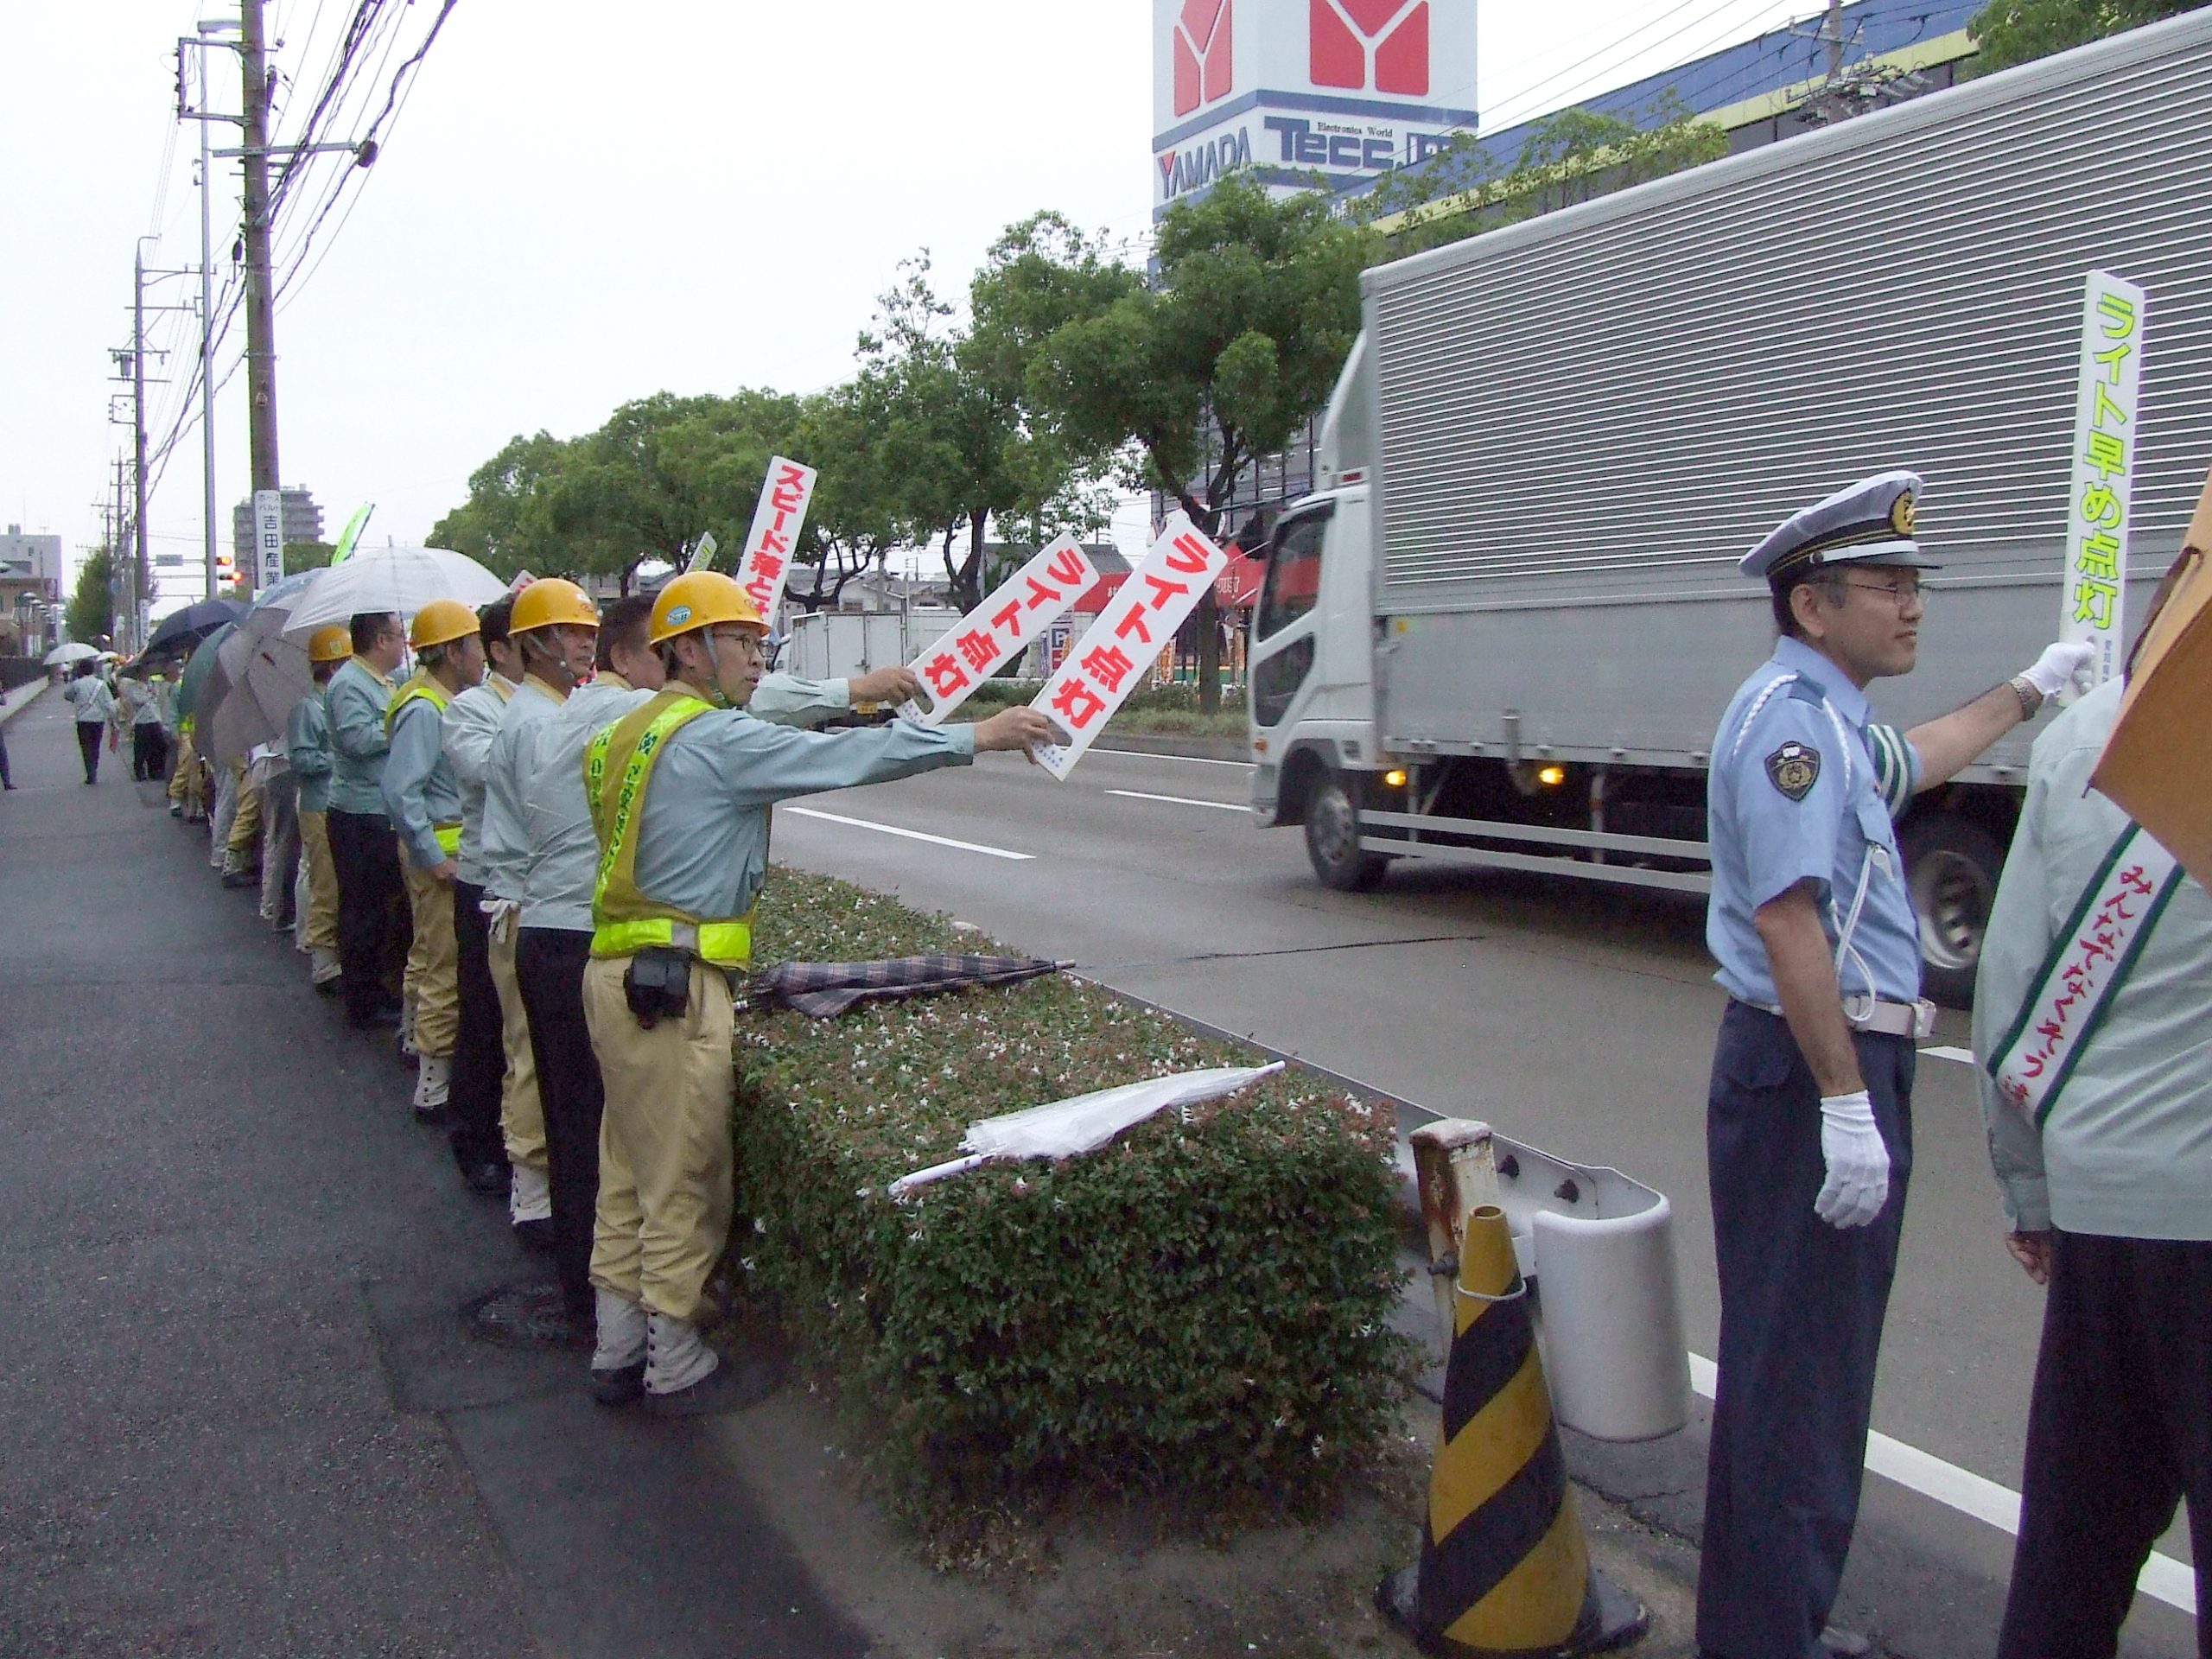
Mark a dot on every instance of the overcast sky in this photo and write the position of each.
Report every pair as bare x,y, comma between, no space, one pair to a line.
580,205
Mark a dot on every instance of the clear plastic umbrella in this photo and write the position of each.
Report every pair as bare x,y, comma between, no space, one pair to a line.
75,652
1083,1122
387,579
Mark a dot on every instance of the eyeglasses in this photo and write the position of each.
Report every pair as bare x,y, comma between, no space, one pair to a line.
1902,594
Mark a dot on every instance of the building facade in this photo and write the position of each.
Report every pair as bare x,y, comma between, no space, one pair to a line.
30,592
302,523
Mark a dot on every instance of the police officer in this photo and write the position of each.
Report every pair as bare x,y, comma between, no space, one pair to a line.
1808,1130
680,790
307,748
422,800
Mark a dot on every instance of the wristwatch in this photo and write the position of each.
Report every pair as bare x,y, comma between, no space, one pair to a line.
2030,699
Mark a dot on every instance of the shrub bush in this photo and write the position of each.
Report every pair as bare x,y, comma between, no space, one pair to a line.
1199,1306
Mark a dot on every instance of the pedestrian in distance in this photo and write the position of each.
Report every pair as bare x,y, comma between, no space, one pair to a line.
1809,1127
422,799
362,850
96,716
680,790
2097,1088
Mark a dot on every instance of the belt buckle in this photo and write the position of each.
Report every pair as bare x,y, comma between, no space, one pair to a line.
1923,1019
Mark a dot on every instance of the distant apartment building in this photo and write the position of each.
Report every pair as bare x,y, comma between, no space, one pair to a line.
30,591
302,523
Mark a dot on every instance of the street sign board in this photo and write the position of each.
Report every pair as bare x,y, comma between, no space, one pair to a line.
1001,628
777,522
268,539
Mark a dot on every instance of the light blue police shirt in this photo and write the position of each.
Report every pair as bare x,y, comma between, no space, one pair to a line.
1794,794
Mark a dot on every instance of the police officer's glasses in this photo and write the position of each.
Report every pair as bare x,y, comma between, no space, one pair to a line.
1905,593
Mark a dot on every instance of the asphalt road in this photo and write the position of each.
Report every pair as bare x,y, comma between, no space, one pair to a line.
1572,1018
242,1411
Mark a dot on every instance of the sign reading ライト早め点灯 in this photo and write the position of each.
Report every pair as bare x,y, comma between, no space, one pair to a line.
2099,502
268,539
1001,628
1110,659
776,525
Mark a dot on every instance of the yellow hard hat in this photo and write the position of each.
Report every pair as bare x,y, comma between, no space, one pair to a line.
442,622
549,601
701,599
330,645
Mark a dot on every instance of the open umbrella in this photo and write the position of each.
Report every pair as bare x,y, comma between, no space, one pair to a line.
181,630
384,579
193,682
265,677
75,652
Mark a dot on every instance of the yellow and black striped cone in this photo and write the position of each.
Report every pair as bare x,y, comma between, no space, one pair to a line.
1504,1569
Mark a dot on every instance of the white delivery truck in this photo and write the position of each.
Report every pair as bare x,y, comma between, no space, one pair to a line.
840,644
1502,630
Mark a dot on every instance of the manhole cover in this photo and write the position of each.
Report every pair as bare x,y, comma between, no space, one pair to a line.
526,1315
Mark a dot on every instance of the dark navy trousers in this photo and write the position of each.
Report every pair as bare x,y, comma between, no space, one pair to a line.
1801,1323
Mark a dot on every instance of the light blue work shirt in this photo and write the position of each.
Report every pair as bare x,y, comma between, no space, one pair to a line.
357,700
470,722
504,846
420,793
561,867
94,702
2125,1151
1794,794
307,746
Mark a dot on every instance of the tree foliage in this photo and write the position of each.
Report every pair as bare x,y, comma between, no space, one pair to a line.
91,612
2015,31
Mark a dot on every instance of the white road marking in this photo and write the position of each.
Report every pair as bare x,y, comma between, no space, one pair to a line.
1963,1056
910,835
1190,759
1180,800
2163,1578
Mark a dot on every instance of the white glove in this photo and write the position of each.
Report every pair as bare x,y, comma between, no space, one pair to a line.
2065,664
1859,1164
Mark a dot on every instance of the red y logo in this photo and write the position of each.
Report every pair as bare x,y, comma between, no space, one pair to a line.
1369,45
1204,67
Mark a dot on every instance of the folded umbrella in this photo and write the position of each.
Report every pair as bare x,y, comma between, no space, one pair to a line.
820,989
391,579
266,678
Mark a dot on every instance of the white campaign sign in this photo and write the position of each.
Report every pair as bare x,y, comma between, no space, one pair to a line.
2100,500
1001,628
776,523
702,556
1110,659
268,538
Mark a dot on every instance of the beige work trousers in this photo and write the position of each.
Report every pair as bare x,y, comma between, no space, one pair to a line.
321,932
665,1160
433,961
522,1119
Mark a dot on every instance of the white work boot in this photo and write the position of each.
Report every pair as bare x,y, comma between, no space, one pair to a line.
676,1356
433,1078
327,967
407,1026
529,1196
618,1357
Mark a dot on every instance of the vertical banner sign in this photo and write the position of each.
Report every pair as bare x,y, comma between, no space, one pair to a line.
776,523
2098,506
268,539
1109,661
1000,629
702,556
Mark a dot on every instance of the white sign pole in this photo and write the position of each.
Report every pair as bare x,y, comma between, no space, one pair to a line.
2098,504
776,525
268,539
1109,661
1001,628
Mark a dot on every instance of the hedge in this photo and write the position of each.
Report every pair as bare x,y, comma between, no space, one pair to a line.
1200,1305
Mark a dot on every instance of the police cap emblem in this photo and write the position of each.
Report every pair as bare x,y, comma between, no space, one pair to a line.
1904,518
1794,769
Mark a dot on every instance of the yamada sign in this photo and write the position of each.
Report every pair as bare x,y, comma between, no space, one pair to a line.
1211,57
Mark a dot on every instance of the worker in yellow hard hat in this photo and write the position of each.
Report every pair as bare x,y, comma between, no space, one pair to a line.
306,746
422,799
680,790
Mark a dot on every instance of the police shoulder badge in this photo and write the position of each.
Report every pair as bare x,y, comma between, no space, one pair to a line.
1794,769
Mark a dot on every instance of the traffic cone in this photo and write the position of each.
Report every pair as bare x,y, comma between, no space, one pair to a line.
1504,1569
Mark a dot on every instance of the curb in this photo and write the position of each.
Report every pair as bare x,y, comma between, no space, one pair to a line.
1163,743
10,712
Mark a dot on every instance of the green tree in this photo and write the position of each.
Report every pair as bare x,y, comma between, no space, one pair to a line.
501,525
91,612
1233,345
307,555
2015,31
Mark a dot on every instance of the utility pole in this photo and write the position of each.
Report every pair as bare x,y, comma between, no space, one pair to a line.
1835,35
260,300
202,115
139,566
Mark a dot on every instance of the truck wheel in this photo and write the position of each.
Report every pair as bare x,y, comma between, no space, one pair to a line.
1951,867
1333,839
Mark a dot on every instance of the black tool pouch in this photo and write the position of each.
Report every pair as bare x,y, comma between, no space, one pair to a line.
658,984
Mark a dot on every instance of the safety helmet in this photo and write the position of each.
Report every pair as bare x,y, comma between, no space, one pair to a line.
330,645
551,599
701,599
441,622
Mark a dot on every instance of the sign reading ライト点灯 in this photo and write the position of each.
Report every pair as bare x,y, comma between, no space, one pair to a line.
1109,661
268,539
1001,628
776,525
2100,500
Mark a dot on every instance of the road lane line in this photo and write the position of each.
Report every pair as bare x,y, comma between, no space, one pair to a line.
910,835
1188,759
2163,1578
1963,1056
1180,800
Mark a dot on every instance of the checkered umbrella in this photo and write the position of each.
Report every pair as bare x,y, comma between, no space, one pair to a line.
822,990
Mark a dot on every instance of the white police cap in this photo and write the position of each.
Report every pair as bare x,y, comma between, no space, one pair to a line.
1870,522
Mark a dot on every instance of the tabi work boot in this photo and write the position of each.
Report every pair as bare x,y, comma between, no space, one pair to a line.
407,1027
327,968
617,1359
433,1077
